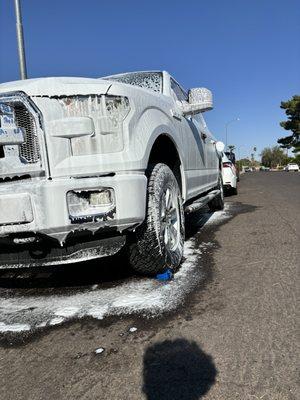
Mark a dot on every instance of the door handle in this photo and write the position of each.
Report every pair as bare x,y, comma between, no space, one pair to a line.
176,114
203,135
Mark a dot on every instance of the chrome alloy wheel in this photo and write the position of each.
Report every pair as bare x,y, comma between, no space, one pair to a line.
170,219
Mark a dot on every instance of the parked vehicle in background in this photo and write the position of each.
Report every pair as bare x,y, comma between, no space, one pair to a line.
292,167
229,176
231,156
262,168
87,165
248,169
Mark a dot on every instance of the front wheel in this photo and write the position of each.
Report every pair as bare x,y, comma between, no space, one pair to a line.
158,242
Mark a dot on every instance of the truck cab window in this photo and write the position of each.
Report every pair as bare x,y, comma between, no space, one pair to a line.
178,92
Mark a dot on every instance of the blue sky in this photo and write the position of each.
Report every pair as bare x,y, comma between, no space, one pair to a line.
246,52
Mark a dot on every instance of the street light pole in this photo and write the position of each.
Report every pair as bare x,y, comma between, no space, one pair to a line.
239,150
20,40
226,128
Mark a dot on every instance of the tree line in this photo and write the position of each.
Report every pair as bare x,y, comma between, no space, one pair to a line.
277,155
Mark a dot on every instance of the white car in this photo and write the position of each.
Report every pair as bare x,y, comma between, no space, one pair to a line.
87,165
292,167
229,175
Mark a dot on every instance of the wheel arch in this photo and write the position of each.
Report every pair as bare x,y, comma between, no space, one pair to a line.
165,150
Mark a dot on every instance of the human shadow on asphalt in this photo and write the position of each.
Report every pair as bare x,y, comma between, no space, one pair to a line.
177,370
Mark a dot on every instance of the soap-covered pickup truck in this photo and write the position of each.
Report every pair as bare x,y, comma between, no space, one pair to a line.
89,165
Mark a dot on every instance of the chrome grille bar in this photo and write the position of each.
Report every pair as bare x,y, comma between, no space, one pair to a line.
29,150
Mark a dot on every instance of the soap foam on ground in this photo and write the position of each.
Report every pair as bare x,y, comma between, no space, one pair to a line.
145,296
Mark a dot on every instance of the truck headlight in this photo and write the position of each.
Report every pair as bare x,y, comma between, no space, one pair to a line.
116,107
108,114
87,205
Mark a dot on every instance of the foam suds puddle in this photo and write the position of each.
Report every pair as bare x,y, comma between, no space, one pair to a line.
143,296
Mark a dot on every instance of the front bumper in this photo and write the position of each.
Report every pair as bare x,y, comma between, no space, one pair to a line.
47,253
38,207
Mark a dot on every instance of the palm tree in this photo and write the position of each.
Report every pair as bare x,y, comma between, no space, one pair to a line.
253,155
254,150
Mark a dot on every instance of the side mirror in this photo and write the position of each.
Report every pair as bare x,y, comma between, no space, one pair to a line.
220,146
200,100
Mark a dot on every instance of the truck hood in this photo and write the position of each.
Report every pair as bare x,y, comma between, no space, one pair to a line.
62,86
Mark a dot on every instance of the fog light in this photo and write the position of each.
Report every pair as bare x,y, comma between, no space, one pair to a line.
87,204
101,198
25,240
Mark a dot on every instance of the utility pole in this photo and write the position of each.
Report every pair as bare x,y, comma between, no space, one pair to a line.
20,40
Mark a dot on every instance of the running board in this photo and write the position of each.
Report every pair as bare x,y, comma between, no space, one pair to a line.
199,203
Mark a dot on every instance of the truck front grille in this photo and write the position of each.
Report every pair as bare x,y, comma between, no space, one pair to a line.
29,150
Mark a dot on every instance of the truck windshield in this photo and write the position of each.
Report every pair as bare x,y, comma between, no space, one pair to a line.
146,80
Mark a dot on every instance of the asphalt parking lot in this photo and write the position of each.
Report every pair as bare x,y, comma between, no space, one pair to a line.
224,328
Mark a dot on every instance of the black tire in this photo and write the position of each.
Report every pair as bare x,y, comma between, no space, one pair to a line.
217,203
152,250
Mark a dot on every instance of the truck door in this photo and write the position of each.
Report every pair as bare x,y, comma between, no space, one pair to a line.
193,145
212,161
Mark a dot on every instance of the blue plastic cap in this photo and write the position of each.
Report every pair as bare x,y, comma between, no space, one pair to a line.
165,276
